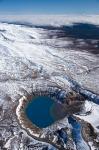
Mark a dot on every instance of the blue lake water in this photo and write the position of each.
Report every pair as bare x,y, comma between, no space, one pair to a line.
38,111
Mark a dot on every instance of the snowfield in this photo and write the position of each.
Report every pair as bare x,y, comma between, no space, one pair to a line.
29,54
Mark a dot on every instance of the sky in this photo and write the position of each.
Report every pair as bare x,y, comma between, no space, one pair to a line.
49,6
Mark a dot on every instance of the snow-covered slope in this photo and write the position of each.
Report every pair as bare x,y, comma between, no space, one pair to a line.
29,54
